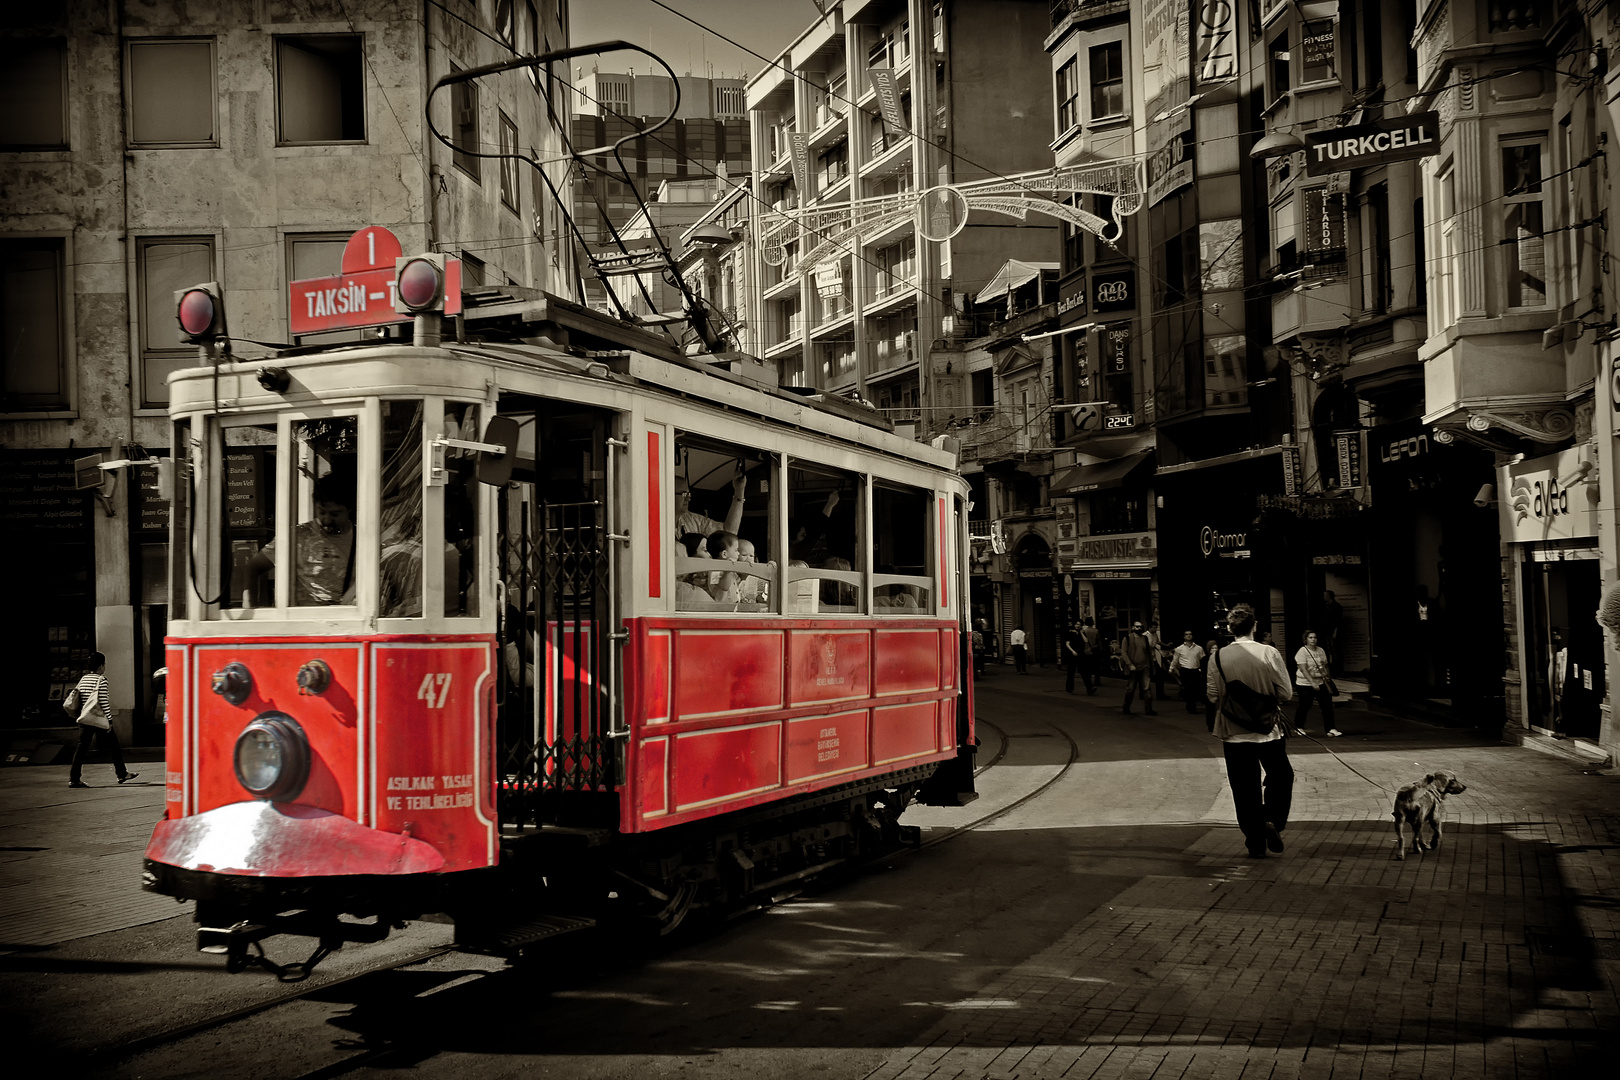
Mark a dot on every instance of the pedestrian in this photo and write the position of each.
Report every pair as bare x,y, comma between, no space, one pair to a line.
1160,657
1072,656
1091,654
1262,805
1136,661
1189,661
1018,650
1313,682
978,648
1211,647
90,698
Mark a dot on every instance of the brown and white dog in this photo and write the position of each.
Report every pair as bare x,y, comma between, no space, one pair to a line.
1423,803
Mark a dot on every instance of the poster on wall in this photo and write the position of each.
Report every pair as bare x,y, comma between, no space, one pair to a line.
1165,74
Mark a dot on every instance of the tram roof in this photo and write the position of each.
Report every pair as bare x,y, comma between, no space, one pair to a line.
547,333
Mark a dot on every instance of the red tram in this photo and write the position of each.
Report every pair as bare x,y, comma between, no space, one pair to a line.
446,638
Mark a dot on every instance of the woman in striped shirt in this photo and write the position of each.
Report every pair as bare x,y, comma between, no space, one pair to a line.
95,718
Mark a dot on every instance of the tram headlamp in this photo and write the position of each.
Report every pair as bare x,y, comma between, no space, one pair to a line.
272,757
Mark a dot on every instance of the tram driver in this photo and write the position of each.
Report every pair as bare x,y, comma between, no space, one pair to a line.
323,558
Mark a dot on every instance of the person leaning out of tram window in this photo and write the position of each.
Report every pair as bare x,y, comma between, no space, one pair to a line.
323,553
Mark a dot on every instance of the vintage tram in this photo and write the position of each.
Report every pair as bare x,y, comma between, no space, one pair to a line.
541,622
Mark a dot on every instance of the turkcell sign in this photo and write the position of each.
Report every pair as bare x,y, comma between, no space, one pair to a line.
1402,138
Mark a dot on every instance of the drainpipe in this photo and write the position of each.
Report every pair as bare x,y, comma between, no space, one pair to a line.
433,175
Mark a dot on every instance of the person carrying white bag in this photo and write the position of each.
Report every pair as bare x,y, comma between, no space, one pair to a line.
94,717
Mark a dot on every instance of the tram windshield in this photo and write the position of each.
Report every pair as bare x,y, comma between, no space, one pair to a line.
413,527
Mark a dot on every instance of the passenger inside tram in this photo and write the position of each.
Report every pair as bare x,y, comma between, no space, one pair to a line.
323,547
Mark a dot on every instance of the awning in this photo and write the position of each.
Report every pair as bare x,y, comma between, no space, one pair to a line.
1013,273
1104,474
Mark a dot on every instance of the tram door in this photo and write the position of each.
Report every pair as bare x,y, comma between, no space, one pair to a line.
556,722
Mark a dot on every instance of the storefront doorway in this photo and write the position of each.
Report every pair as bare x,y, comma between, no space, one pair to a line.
1565,643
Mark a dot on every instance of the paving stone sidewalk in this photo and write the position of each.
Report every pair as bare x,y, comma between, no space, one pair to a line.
1497,955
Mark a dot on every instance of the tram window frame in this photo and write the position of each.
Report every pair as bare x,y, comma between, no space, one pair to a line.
892,588
810,541
696,572
293,490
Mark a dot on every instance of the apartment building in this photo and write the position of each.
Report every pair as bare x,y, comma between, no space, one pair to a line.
147,148
708,137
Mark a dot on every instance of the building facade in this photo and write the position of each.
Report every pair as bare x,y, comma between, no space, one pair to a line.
241,145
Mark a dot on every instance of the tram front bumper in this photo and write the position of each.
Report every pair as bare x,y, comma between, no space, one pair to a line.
286,840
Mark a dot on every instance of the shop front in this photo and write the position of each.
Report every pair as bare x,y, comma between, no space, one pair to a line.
1218,543
1548,508
1435,576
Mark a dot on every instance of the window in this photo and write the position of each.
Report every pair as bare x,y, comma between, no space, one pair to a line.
473,271
826,557
509,165
1379,285
171,93
464,118
1523,244
531,39
1118,511
1447,251
1284,226
1279,60
902,570
1107,80
33,323
724,554
164,264
1068,95
318,255
400,563
33,96
320,91
505,25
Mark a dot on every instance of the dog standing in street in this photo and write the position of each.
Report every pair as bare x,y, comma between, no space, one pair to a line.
1423,803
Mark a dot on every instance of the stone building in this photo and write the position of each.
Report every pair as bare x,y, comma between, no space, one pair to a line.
235,142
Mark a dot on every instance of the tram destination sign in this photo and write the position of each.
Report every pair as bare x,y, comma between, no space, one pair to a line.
363,294
1397,138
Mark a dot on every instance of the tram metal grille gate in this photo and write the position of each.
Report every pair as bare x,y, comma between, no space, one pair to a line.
564,745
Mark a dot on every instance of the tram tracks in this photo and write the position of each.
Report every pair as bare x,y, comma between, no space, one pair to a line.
124,1051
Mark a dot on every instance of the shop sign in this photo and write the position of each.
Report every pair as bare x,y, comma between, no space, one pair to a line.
1324,221
1377,142
1549,498
1347,454
1317,45
38,498
1335,560
1113,292
1233,545
1072,297
1217,42
1132,546
1290,469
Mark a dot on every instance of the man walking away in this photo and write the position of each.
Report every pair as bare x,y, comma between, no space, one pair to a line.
1189,661
1136,660
1262,806
1018,651
95,719
1072,657
1090,655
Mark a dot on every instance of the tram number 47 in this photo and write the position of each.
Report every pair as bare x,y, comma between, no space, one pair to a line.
434,689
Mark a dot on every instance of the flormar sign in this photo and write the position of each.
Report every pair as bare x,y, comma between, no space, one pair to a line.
1401,138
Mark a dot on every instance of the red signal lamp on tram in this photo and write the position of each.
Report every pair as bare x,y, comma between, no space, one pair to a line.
420,284
200,311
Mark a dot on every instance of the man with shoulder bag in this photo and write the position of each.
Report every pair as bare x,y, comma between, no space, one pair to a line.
90,698
1248,683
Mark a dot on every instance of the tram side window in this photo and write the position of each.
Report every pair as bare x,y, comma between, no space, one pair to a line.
461,547
248,512
399,591
902,582
825,546
324,481
722,516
